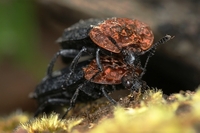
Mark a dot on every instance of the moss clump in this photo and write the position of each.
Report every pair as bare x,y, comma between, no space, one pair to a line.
179,113
48,125
8,123
139,112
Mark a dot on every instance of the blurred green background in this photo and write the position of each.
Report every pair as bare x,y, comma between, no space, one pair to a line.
18,53
19,35
22,59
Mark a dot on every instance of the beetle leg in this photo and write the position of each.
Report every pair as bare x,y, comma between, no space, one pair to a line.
51,101
98,60
73,100
71,53
51,64
64,52
77,57
107,96
75,61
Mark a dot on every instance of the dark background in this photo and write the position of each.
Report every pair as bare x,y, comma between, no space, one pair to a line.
29,29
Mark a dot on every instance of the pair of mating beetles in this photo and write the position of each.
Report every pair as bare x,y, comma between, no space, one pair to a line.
115,46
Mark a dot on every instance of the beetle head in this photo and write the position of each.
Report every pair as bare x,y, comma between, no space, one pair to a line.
132,83
132,79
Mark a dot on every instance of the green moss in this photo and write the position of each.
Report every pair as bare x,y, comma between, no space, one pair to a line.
139,112
9,123
49,124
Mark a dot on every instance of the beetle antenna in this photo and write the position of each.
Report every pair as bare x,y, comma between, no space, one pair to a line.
152,50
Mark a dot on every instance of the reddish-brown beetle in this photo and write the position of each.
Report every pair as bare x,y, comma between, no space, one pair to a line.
122,40
115,71
117,33
122,37
87,84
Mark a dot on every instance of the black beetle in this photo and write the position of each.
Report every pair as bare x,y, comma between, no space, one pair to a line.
87,84
65,87
76,36
116,36
121,37
55,90
131,58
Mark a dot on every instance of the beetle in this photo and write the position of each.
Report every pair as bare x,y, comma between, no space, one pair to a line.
89,31
113,34
115,71
131,57
76,36
55,90
88,83
124,36
124,63
93,83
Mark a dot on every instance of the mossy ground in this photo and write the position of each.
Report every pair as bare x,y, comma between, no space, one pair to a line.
150,111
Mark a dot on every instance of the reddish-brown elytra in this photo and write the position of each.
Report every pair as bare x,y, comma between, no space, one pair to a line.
116,33
114,69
